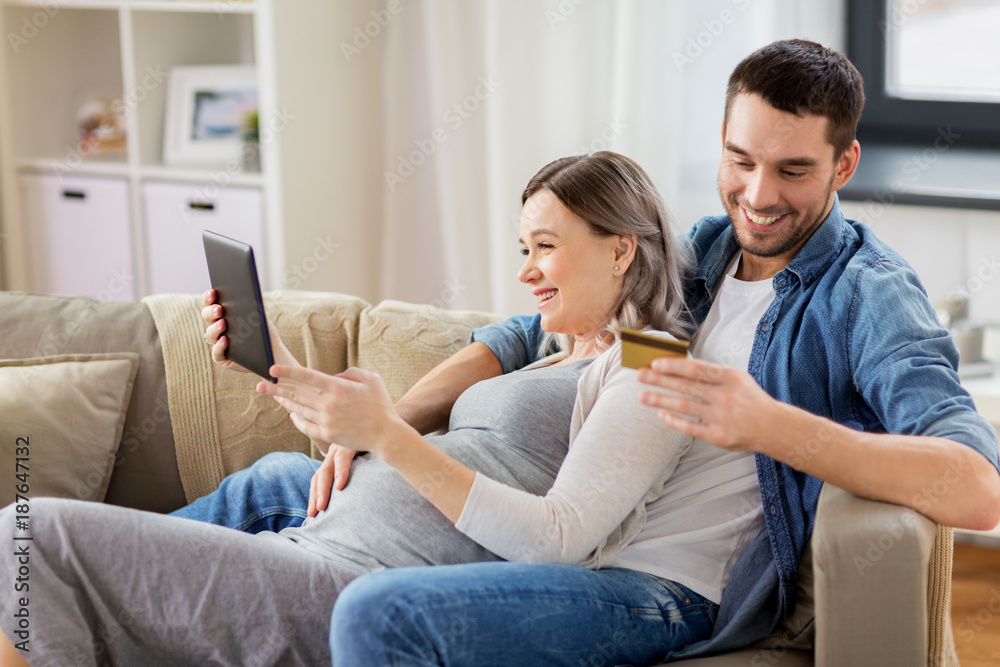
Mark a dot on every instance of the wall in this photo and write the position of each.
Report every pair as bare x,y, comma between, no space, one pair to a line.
333,199
955,251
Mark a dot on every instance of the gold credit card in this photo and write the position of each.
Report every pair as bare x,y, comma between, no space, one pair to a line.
639,349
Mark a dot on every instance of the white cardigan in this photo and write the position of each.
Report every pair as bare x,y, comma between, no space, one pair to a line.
620,456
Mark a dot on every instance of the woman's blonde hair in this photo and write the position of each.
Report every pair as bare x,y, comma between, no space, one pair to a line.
614,196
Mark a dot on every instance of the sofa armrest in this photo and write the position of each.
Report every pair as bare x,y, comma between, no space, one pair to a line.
870,561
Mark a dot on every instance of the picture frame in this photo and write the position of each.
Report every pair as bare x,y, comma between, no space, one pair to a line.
206,108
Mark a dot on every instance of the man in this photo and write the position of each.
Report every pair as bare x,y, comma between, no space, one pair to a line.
817,350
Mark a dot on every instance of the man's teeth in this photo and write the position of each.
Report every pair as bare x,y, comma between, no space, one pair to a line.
759,220
547,295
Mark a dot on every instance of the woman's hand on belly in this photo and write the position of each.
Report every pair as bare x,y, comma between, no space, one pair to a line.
331,474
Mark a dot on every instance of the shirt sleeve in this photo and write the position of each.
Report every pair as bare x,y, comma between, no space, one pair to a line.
621,454
515,341
904,362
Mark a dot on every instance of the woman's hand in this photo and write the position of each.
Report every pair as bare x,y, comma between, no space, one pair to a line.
332,474
352,408
215,336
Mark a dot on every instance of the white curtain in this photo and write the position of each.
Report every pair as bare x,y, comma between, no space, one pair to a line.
480,94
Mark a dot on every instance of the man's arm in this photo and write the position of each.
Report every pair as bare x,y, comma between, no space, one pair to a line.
427,405
492,350
947,481
516,341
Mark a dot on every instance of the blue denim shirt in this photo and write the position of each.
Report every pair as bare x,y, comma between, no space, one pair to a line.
850,336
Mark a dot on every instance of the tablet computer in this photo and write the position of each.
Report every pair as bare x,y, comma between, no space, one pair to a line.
233,273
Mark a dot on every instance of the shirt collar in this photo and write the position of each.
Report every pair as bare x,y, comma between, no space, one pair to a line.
809,262
818,253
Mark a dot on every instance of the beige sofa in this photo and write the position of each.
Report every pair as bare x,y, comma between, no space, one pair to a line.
874,588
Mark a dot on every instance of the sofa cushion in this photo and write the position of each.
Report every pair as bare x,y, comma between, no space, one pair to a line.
403,341
145,474
63,421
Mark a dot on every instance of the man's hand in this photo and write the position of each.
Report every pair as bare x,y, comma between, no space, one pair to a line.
720,405
332,474
945,480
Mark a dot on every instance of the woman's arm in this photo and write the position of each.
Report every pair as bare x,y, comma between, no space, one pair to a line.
619,458
620,451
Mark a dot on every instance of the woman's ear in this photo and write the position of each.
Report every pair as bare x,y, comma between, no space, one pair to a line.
625,248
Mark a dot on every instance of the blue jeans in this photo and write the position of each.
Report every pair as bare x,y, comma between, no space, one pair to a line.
514,614
270,495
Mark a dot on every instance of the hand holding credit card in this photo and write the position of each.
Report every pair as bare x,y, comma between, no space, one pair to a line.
639,349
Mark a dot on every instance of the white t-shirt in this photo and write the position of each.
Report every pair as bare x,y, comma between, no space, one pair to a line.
711,509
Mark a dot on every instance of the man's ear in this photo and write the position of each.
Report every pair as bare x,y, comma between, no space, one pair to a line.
847,164
625,252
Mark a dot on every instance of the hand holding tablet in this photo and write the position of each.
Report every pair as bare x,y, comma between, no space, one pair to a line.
233,273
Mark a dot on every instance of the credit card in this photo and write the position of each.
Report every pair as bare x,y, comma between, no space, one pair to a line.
639,349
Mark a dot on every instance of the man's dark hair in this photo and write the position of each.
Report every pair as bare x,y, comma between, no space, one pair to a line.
798,76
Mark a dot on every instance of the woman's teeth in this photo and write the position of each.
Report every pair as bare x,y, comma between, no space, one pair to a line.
759,220
547,295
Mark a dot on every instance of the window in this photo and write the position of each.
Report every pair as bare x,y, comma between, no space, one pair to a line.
930,129
929,66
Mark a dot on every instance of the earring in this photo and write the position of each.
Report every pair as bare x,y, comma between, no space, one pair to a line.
616,268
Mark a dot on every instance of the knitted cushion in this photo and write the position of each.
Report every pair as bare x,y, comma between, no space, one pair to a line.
403,341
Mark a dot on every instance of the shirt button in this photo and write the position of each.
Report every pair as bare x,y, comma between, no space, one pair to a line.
774,510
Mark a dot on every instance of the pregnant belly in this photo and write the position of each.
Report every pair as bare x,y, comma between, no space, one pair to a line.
379,520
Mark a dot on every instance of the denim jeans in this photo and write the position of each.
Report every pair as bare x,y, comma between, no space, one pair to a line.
270,495
515,614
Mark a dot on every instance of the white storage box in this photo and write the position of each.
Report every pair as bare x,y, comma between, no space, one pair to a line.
80,243
175,216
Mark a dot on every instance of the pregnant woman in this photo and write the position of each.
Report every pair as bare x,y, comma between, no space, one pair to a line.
118,586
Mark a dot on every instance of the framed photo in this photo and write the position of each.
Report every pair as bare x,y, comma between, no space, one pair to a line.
207,108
